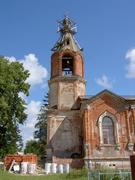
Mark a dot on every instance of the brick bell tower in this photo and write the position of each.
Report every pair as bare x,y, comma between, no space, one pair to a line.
66,84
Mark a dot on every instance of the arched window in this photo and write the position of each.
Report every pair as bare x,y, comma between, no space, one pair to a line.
108,130
67,65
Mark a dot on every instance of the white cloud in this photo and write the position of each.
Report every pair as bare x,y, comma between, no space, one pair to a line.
38,73
130,56
104,82
28,129
11,59
27,133
32,110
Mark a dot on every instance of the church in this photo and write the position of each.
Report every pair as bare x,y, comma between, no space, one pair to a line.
92,130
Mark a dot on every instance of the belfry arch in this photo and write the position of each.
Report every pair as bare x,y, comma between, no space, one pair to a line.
67,65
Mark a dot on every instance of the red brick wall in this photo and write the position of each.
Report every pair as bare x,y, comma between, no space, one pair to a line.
55,65
32,158
78,65
91,116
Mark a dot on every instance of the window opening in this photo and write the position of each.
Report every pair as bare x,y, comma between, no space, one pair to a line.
67,41
108,130
67,66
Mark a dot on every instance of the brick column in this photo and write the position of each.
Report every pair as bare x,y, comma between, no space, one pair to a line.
133,114
130,142
133,110
60,66
85,130
128,127
74,65
89,131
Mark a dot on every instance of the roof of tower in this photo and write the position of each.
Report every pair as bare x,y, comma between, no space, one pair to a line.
67,29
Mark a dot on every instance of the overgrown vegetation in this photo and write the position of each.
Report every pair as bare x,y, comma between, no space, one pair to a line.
32,146
41,126
12,106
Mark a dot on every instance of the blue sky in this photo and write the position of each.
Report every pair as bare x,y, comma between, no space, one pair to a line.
106,31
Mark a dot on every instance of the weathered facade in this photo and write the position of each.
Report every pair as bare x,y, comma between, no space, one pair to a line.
97,129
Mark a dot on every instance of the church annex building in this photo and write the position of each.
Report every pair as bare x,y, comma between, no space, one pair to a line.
83,129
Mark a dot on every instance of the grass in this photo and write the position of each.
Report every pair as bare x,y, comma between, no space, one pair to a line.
74,175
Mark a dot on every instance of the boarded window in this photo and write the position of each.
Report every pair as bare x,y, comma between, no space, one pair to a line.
108,130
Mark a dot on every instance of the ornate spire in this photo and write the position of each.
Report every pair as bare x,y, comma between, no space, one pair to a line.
67,29
67,26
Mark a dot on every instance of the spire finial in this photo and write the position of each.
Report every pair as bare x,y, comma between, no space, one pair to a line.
67,25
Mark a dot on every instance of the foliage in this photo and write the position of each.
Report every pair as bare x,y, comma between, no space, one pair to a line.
32,146
12,106
41,126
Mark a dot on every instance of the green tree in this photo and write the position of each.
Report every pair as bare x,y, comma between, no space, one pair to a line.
12,106
41,126
32,146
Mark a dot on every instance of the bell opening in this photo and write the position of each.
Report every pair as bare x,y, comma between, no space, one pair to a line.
67,65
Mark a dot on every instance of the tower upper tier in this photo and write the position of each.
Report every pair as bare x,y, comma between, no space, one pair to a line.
67,59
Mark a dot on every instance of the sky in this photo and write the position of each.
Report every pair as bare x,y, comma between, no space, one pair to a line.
105,30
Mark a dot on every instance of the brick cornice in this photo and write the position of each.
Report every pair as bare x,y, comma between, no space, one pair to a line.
66,79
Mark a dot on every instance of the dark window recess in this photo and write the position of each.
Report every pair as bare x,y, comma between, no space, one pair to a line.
67,41
75,155
67,66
